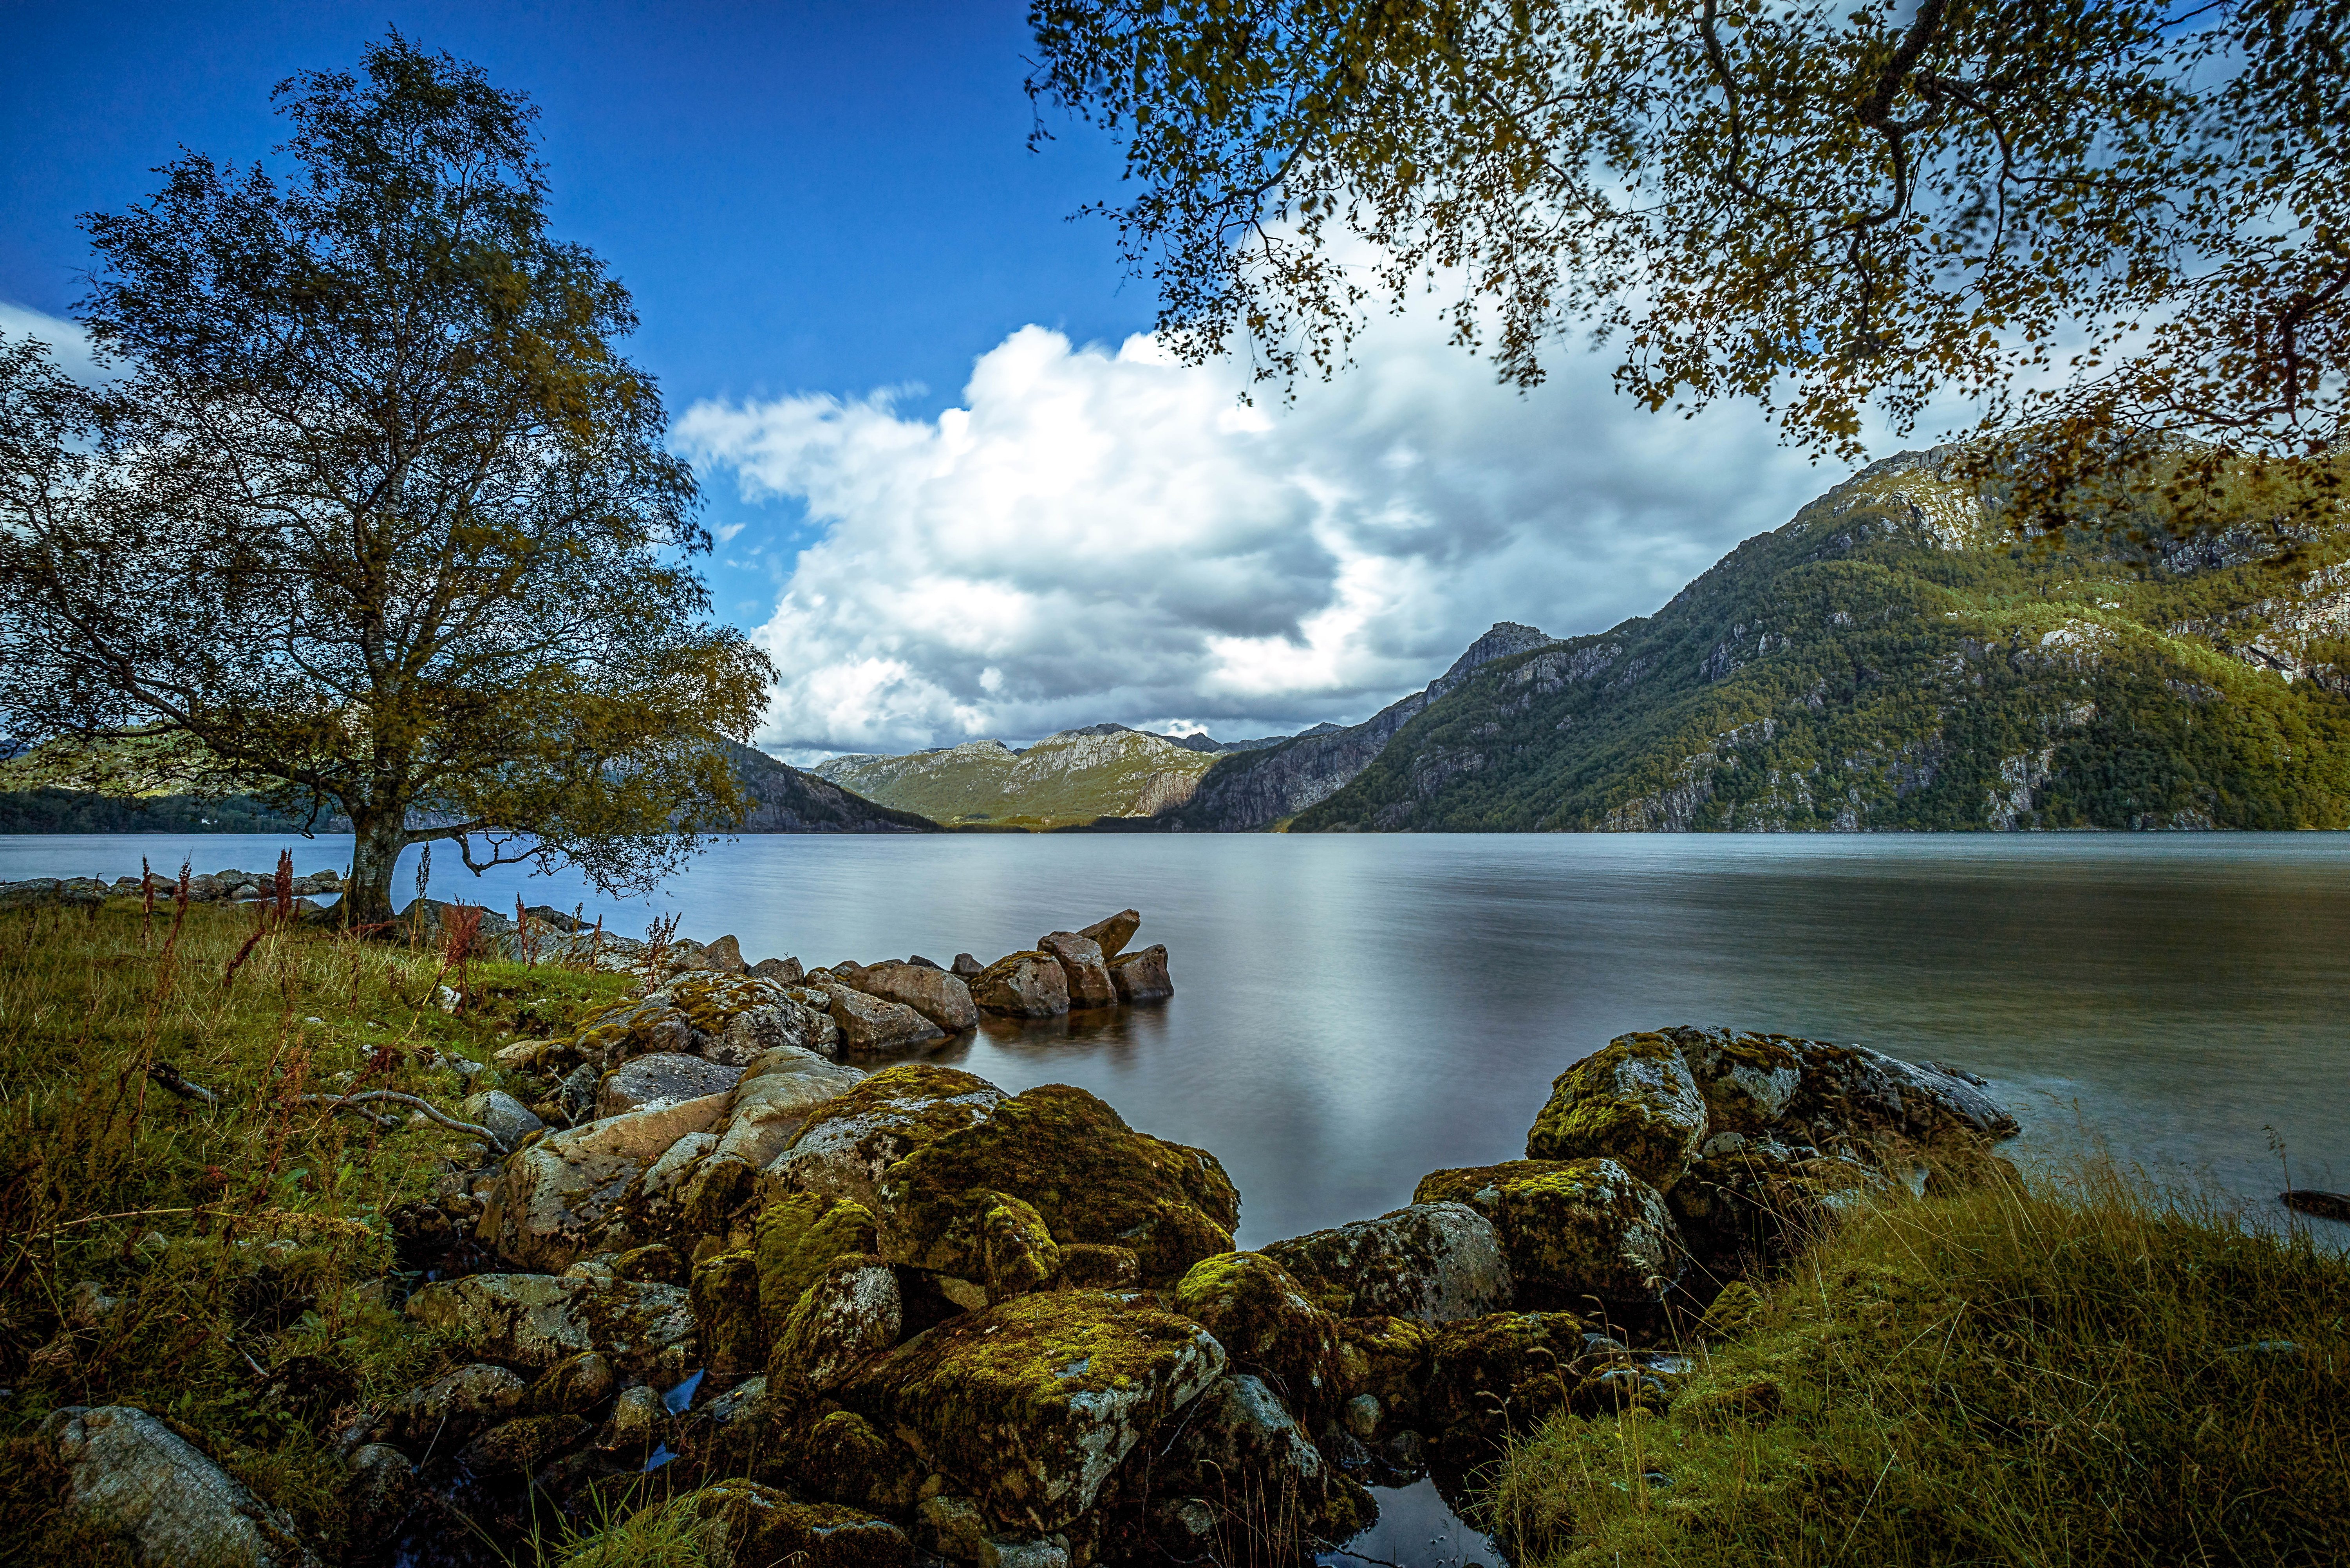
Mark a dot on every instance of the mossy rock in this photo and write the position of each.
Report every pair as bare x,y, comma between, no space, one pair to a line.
1634,1101
1268,1328
522,1445
1389,1358
726,1316
843,1459
1733,1313
1466,1184
1494,1374
1575,1231
742,1524
1095,1266
573,1386
1091,1176
1030,1405
849,1315
995,1241
1754,1207
850,1140
797,1239
1432,1262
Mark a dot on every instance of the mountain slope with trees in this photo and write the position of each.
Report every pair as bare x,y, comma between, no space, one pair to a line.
1074,777
1896,657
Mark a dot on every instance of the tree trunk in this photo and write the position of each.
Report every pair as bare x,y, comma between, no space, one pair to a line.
377,840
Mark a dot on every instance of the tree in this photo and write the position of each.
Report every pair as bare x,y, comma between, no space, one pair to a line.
2109,224
376,518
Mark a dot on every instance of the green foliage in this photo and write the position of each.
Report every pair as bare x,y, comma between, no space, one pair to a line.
1891,660
1068,779
2080,1373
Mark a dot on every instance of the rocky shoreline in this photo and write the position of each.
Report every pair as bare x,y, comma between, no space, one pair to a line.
871,1313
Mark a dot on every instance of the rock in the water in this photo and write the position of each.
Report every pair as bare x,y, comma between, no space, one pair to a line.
1022,985
850,1139
663,1078
501,1113
1083,969
1635,1101
1111,935
1573,1231
1091,1176
1268,1328
537,1320
2325,1205
130,1474
1432,1262
550,1206
849,1315
942,998
1029,1405
868,1023
1141,975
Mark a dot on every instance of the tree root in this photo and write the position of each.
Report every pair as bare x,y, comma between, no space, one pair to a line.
172,1081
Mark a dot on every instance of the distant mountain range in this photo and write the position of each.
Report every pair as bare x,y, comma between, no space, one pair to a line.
1069,779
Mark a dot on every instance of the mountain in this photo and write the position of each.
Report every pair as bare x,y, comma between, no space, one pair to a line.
792,800
1074,777
1894,657
1243,793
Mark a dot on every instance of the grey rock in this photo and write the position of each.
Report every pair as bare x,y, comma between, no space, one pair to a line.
868,1023
664,1079
1141,975
1433,1262
537,1320
1111,935
129,1473
502,1114
1085,974
937,995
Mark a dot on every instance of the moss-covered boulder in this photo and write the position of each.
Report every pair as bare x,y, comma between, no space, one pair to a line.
520,1446
1388,1359
992,1241
1755,1202
1022,985
573,1386
451,1408
1634,1101
1507,1371
1096,1266
537,1320
1432,1262
741,1524
1575,1231
726,1317
849,1140
1268,1327
799,1236
850,1314
1030,1405
840,1458
1241,1445
1072,1158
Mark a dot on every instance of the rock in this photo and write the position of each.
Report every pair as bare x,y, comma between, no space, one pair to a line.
773,1101
966,966
1432,1262
551,1203
1634,1101
537,1320
1082,967
725,954
518,1057
991,1246
638,1417
940,997
849,1315
522,1445
1022,985
1386,1358
1753,1201
849,1140
783,970
1268,1328
128,1473
843,1459
1141,975
741,1524
381,1489
663,1078
1029,1405
1239,1440
1093,1266
1571,1231
1499,1373
868,1023
727,1323
723,1017
1089,1176
656,1264
1112,934
451,1408
2310,1201
573,1386
797,1239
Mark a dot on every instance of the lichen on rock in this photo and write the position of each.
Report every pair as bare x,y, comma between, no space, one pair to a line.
849,1315
849,1140
1575,1231
1634,1101
1268,1327
1432,1262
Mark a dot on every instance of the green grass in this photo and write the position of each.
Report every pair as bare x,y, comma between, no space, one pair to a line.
2082,1373
249,1235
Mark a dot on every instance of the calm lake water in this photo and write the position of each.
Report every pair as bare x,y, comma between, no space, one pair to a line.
1351,1012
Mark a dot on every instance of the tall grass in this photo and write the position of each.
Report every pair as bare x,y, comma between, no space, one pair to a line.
224,1264
2082,1371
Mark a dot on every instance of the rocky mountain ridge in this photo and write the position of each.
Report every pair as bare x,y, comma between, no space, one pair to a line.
1074,777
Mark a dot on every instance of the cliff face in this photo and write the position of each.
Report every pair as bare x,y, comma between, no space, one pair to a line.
791,801
1893,658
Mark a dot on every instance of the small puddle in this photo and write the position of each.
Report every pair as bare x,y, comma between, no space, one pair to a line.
1416,1529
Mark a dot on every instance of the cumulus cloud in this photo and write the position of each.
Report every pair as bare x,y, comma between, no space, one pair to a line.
1103,534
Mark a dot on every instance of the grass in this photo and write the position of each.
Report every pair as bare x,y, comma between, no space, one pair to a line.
2079,1371
245,1245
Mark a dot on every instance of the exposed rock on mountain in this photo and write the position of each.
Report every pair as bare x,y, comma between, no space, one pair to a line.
1073,777
791,801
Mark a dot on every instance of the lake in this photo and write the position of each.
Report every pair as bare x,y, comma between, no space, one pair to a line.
1351,1012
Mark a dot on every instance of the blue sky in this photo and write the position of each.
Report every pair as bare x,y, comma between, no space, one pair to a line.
959,497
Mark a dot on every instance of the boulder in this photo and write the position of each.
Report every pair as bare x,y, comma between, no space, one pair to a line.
501,1113
1635,1101
966,966
1112,934
1090,1176
1239,1442
2312,1201
870,1023
849,1315
663,1078
725,954
1030,1405
1268,1328
521,1445
537,1320
1753,1201
741,1524
1022,985
798,1238
551,1204
130,1474
783,970
773,1098
843,1459
1141,975
847,1142
724,1017
728,1326
444,1413
1432,1262
1573,1231
1504,1372
937,995
1082,967
1386,1359
573,1386
380,1491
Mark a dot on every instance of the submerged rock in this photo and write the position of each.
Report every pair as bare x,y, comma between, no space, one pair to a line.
132,1475
1141,975
1432,1262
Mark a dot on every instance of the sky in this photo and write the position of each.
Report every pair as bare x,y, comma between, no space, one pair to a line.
960,491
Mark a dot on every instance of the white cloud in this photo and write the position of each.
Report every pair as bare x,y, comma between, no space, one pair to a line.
1103,534
69,344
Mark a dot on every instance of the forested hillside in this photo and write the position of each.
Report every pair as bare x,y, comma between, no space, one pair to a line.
1068,779
1896,659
